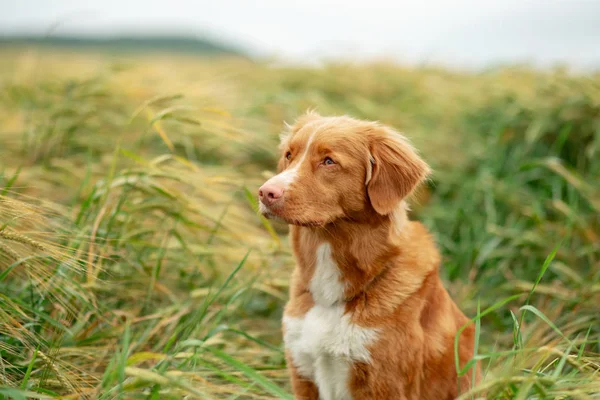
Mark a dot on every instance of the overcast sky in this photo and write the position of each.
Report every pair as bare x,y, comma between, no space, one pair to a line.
460,32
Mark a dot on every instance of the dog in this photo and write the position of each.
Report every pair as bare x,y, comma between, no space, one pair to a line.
368,316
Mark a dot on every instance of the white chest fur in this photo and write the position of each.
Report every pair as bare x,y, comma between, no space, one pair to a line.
324,343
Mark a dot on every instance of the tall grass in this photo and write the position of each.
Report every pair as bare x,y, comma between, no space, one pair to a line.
133,264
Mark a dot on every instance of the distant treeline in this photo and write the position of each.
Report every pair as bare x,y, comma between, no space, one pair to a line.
125,43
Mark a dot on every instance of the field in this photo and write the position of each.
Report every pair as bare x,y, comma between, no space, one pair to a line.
133,263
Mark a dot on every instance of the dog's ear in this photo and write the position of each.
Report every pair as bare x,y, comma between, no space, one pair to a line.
395,169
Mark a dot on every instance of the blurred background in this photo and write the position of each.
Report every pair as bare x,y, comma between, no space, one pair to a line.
134,135
465,33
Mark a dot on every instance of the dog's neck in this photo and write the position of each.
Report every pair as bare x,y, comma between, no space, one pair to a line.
364,251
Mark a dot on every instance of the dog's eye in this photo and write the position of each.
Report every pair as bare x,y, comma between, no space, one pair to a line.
288,156
328,161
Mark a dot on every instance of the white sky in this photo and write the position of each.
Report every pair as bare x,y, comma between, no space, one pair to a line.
460,32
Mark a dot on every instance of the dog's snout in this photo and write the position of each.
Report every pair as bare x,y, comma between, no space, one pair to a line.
270,193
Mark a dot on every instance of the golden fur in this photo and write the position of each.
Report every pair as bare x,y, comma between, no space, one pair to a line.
388,264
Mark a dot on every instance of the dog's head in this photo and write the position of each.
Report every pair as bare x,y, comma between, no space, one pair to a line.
339,167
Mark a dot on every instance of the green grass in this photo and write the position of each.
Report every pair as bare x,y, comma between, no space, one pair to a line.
133,263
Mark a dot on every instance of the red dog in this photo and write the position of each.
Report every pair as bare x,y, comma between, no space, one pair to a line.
368,317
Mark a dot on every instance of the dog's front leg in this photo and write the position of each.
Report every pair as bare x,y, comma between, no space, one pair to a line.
369,382
303,388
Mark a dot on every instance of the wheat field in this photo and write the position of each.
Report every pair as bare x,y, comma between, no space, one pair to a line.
133,263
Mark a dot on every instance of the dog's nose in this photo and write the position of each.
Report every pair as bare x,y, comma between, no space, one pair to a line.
269,193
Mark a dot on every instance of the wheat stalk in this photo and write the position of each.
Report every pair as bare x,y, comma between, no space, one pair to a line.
17,237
